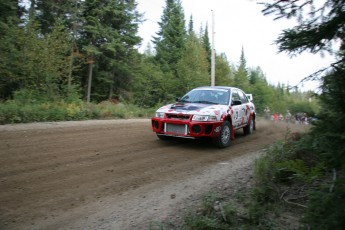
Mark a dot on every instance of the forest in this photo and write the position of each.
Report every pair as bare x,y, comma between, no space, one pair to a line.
74,59
79,59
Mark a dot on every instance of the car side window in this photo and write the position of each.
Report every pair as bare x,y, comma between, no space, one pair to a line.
235,97
243,97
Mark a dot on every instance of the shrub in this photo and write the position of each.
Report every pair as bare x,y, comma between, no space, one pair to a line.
326,205
200,222
32,111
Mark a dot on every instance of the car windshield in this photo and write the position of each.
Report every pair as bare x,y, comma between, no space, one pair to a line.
207,96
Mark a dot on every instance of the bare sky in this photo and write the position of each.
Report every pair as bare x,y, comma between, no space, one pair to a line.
240,23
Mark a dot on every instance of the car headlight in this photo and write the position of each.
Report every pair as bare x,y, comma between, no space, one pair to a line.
204,118
159,115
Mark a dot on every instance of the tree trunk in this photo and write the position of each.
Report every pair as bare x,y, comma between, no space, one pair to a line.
111,89
32,10
89,82
69,80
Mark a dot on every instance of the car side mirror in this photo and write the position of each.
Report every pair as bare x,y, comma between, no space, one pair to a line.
177,99
236,102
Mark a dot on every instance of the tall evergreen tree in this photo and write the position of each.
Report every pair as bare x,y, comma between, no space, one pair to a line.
10,17
193,66
223,71
47,12
319,30
171,37
207,47
109,38
69,12
191,25
241,75
10,12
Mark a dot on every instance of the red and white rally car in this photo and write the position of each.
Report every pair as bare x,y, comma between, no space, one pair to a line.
210,111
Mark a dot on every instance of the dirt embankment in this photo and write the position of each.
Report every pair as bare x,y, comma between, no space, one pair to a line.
111,174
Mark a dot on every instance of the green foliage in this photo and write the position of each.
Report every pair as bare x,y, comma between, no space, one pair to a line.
332,119
326,208
208,201
230,213
213,214
207,46
241,79
202,222
223,71
299,170
290,160
154,225
108,40
192,68
298,161
52,51
305,107
257,212
171,37
9,10
37,111
149,87
34,62
260,206
11,112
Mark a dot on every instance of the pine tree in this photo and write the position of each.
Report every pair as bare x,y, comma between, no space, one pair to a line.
171,37
193,65
109,37
47,12
207,47
10,15
241,75
10,12
191,25
317,31
223,71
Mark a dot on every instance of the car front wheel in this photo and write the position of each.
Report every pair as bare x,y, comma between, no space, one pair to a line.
223,140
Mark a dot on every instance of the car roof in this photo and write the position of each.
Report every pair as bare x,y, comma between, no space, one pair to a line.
216,87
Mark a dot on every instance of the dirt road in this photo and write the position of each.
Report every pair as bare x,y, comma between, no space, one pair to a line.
111,174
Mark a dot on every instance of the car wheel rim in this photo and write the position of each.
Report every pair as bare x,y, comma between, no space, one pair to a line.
251,125
225,134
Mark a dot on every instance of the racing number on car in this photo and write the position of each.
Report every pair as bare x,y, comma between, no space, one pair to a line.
236,116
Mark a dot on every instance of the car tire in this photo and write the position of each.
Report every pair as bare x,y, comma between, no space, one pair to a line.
250,127
223,140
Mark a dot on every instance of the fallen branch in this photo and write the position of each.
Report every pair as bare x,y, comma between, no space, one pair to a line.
298,198
300,205
289,202
281,197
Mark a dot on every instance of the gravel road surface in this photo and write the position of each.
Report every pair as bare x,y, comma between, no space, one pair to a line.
112,174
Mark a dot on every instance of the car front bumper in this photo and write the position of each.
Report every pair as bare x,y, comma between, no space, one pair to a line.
185,128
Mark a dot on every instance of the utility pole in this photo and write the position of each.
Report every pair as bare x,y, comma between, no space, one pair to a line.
213,56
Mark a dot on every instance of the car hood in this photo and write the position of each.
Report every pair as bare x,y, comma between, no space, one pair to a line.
194,108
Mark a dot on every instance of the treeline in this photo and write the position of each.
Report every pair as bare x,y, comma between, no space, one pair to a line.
73,50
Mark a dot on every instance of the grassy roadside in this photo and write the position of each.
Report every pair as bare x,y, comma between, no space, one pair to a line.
290,188
13,112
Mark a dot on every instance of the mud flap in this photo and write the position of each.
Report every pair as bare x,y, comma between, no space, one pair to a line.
232,133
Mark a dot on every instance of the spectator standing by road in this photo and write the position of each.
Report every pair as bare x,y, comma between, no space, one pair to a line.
276,117
281,117
267,113
288,116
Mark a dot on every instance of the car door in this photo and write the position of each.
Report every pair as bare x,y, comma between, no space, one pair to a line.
245,111
236,105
